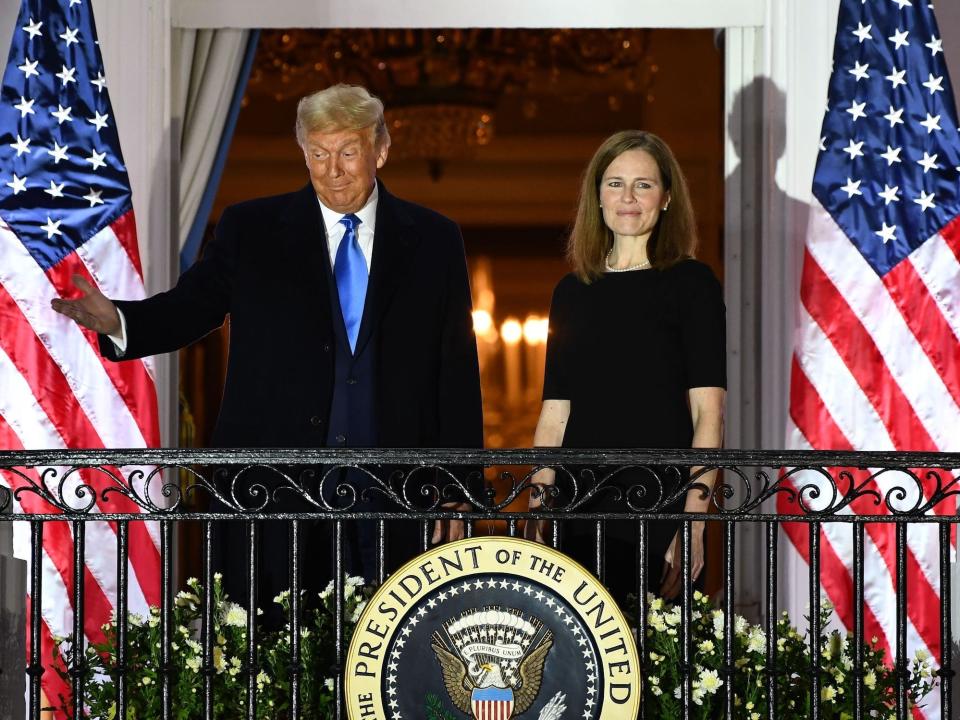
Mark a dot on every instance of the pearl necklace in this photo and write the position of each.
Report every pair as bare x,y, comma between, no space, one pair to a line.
638,266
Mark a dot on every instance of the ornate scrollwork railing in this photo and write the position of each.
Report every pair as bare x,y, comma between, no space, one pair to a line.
809,485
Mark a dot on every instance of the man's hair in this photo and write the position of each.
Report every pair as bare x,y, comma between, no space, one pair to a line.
675,236
342,107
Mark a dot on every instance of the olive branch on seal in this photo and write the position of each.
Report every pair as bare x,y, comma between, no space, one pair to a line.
435,710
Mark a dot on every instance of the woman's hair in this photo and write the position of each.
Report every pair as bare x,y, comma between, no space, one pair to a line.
342,107
673,239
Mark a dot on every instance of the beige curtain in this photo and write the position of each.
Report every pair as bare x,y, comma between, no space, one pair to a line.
206,64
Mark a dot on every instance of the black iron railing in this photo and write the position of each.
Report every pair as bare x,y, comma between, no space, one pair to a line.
638,486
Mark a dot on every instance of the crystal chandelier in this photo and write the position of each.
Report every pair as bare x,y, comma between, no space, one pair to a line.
441,87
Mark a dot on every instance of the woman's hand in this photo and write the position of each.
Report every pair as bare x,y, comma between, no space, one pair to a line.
671,582
450,530
549,433
536,530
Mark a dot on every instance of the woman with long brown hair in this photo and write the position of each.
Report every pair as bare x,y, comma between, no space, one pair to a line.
636,352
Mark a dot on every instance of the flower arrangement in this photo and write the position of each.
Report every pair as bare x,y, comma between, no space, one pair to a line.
663,681
229,680
664,677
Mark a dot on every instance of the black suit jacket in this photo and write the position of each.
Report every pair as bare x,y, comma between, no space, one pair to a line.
266,270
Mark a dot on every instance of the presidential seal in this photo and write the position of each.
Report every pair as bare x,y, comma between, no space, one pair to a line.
492,628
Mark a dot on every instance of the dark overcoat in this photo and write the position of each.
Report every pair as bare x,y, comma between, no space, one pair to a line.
267,273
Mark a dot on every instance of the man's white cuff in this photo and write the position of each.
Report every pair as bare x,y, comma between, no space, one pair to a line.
120,340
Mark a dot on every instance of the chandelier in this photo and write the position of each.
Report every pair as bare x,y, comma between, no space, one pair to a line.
441,87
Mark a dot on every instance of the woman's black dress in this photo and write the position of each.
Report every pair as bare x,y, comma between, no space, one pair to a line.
624,350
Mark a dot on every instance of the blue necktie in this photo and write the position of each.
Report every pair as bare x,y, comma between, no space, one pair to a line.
350,271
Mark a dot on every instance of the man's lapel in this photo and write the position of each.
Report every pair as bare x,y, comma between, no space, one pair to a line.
394,241
302,231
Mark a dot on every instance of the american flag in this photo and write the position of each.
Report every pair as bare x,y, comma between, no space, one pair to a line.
877,357
65,210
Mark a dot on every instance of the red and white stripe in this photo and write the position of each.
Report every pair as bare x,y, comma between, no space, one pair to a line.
492,709
58,393
876,367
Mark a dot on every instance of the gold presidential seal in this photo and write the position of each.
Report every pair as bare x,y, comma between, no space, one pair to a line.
492,628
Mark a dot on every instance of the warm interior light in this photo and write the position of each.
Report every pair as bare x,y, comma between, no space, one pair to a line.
482,322
535,330
511,331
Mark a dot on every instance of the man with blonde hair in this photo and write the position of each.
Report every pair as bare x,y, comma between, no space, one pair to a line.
350,325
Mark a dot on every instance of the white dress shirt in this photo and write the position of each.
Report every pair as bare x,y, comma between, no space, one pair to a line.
335,232
336,229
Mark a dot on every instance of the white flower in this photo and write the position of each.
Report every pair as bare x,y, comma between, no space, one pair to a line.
193,663
281,597
358,611
233,615
676,692
147,680
739,624
756,640
657,623
710,681
135,620
718,624
187,600
707,646
329,683
327,591
355,581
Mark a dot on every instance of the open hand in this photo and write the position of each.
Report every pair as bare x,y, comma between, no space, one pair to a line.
92,310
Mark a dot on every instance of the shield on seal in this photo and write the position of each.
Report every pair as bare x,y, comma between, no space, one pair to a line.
492,703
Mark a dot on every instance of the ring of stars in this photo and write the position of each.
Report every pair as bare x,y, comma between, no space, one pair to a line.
588,651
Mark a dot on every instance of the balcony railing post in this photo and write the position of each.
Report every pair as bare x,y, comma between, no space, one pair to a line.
901,665
643,551
770,613
79,669
123,538
686,611
338,567
166,610
729,570
35,668
858,631
206,620
253,549
295,611
815,624
946,634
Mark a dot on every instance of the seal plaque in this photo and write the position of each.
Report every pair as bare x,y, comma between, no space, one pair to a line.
492,628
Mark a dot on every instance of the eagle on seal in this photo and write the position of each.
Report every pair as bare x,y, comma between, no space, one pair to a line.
471,694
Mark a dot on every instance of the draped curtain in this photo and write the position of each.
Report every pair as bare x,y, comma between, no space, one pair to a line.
210,71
